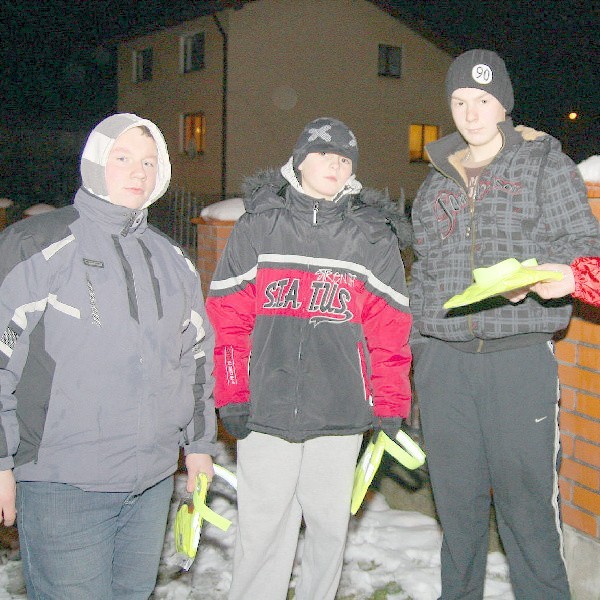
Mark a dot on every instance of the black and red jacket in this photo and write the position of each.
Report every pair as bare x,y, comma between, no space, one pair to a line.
586,271
310,310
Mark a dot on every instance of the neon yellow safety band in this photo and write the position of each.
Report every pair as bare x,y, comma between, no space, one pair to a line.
406,452
190,514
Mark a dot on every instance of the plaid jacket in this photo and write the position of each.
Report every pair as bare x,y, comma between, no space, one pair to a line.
530,202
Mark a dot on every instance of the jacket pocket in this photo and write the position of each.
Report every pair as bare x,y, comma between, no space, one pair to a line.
364,371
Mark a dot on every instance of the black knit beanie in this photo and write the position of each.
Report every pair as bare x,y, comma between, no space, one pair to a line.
326,135
483,70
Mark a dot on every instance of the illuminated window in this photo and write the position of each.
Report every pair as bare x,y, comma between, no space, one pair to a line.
192,52
193,136
142,65
418,136
390,61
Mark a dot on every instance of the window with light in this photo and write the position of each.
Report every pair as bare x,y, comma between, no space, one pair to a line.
193,134
418,137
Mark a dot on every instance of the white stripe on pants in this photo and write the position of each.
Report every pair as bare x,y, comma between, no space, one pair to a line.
279,483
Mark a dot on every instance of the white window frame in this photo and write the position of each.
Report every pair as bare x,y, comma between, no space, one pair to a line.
138,64
186,52
199,145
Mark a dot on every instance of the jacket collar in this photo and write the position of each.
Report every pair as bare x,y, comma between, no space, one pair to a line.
111,218
372,210
352,186
447,153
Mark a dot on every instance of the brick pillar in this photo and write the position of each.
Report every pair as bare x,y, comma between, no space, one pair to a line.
5,204
594,197
578,355
212,237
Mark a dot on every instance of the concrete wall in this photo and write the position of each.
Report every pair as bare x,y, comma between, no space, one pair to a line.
294,61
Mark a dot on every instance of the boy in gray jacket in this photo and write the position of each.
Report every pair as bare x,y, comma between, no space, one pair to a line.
485,374
105,371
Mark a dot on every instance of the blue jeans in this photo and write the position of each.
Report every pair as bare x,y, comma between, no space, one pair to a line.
96,545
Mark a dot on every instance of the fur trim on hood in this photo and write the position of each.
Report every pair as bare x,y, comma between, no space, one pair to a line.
372,210
352,186
394,216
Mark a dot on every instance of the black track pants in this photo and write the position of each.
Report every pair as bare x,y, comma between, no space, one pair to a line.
490,422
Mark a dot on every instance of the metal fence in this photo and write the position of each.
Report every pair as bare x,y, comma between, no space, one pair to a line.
174,212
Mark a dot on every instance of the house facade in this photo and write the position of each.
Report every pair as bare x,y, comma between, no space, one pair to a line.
232,90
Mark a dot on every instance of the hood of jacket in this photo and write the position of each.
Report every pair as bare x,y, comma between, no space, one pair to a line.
99,144
447,153
372,210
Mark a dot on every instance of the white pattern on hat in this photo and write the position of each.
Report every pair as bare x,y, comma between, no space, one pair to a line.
326,134
482,74
320,133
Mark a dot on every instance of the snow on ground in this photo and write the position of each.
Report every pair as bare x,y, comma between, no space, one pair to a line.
392,550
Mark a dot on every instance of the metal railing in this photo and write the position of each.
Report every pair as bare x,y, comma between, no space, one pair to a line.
174,212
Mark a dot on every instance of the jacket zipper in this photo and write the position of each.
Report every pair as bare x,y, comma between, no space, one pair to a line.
315,211
299,373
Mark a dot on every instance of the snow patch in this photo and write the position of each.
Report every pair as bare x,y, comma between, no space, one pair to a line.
226,210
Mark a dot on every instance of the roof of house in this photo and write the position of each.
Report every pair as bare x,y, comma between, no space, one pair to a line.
177,12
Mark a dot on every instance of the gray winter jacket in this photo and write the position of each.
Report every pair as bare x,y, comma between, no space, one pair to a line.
530,203
105,353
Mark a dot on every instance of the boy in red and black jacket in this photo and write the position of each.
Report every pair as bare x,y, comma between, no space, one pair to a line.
310,311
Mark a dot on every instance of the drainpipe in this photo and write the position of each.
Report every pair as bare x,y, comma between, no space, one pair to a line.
224,110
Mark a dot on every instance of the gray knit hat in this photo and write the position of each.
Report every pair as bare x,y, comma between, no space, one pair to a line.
326,135
483,70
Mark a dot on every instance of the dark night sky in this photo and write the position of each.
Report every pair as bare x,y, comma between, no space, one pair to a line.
55,68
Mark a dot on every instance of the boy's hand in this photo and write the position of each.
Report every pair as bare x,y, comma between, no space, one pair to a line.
516,295
235,425
234,418
555,289
196,464
8,494
389,425
547,289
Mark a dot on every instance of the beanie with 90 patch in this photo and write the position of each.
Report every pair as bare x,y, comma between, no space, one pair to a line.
326,135
483,70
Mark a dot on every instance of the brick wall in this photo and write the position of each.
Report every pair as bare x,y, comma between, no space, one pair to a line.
212,237
578,356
